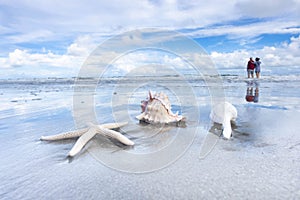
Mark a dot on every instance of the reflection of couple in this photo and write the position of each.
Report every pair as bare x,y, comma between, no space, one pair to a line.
250,97
253,65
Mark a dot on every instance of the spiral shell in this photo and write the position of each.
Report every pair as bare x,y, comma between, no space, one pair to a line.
157,109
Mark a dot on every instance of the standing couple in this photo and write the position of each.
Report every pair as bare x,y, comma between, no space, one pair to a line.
253,65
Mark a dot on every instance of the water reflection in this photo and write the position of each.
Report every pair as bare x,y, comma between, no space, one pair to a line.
252,92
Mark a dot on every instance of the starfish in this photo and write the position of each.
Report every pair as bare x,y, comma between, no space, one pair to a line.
86,134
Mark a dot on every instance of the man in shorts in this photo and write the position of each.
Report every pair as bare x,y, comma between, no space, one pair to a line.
250,68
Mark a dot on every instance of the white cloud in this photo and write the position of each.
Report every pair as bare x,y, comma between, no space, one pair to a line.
82,46
267,8
30,22
23,63
20,58
231,59
39,20
286,55
250,30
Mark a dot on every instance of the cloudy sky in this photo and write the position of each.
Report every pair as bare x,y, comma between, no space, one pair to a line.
54,37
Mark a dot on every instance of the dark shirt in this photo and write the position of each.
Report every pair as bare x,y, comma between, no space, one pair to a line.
251,65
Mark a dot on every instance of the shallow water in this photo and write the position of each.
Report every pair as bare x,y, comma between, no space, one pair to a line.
261,161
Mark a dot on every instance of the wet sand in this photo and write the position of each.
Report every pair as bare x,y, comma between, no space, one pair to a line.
260,162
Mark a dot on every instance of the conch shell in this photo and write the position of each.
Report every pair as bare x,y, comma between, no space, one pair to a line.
157,109
224,113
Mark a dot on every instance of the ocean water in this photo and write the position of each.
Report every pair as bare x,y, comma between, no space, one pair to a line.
260,161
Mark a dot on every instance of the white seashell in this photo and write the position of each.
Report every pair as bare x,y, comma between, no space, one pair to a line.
157,109
224,113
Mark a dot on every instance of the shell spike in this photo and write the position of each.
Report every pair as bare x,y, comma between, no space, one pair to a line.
150,95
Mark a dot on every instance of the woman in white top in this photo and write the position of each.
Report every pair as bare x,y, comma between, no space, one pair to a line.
257,67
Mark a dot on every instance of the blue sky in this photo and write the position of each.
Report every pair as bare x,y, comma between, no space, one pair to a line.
53,38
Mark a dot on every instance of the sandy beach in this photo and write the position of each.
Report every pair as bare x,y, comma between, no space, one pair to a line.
261,161
77,79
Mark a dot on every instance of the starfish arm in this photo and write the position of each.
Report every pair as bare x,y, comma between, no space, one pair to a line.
113,125
66,135
81,142
114,134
